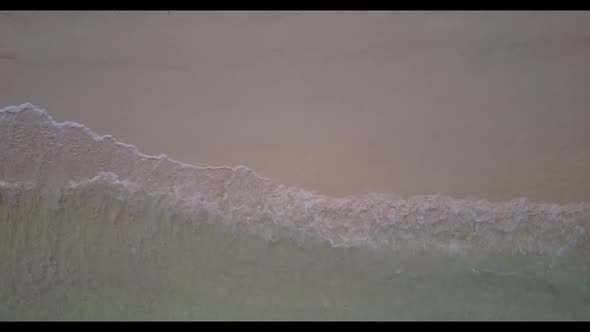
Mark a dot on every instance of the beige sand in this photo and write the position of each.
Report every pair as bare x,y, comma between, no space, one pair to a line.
490,105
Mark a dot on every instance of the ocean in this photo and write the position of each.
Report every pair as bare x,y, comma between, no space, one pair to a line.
93,229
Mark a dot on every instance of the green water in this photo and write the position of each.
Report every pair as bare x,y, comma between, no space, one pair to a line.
104,259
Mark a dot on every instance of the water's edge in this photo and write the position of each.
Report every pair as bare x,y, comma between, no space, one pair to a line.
92,229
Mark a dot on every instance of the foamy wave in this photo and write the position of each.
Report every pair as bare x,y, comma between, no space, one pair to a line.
56,158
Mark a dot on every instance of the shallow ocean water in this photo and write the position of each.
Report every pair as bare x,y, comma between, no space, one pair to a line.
91,229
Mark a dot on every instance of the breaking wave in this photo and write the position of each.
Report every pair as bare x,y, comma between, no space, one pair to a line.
55,158
64,189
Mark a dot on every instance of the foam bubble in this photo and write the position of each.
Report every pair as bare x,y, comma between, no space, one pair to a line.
53,156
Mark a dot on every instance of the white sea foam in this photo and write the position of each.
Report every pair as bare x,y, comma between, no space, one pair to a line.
51,155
